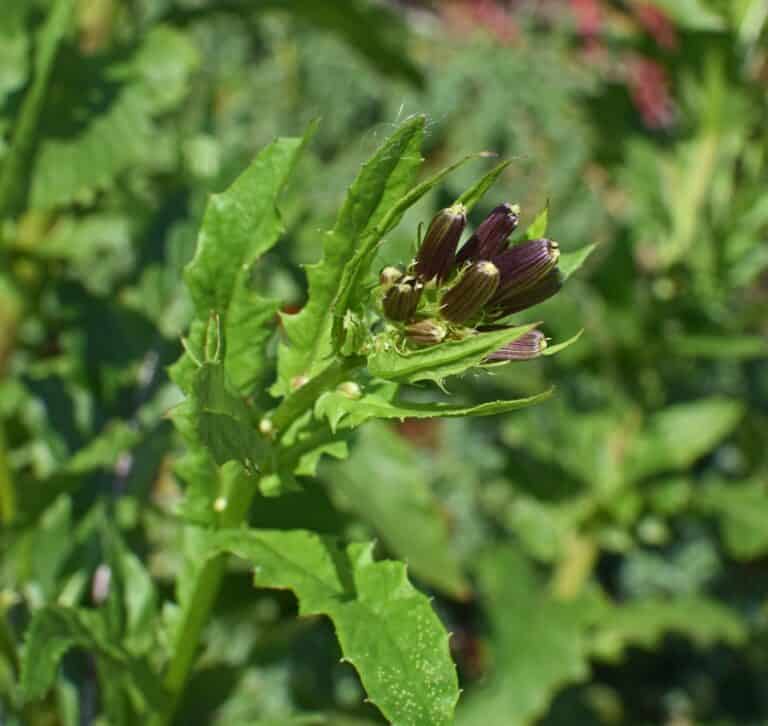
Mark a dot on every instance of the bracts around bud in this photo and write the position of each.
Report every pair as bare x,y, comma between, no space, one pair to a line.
425,333
437,254
402,299
528,346
465,300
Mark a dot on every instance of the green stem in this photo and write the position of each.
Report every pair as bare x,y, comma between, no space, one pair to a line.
208,580
7,490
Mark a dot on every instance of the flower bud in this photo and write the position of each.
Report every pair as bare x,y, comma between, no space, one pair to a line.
475,288
528,346
389,276
426,332
491,235
402,299
516,300
523,265
437,253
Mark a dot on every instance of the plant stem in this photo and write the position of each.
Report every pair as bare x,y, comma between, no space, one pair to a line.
7,489
208,579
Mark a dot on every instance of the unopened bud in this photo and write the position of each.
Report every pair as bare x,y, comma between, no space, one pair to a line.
298,381
516,300
102,577
524,265
474,289
402,299
350,389
389,276
437,254
491,235
266,427
426,333
528,346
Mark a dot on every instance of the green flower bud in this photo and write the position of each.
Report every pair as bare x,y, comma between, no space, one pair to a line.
389,276
426,332
402,299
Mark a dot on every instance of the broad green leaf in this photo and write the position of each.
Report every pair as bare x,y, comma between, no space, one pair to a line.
239,226
341,411
539,643
538,228
741,509
387,629
570,262
440,361
674,438
13,177
386,483
382,180
643,623
124,134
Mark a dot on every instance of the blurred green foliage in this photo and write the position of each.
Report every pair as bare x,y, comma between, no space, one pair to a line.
600,558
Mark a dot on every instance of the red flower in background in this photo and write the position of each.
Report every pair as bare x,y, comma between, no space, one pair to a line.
657,23
467,15
649,88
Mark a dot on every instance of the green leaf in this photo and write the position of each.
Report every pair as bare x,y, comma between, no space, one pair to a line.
13,178
387,629
53,631
383,179
555,349
539,643
440,361
674,438
239,226
341,411
644,623
570,262
475,193
219,419
741,509
386,483
538,228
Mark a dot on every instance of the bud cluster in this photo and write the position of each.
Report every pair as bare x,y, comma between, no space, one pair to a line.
451,291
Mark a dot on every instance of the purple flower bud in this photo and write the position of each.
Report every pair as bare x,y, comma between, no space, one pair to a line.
426,332
523,265
491,235
389,276
528,346
474,288
402,299
513,301
437,253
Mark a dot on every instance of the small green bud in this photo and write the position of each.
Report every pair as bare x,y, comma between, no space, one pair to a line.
402,299
474,289
389,276
350,389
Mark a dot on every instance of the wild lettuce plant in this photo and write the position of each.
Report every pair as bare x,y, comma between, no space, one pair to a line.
361,340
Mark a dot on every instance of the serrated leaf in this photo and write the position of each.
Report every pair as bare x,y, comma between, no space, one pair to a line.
742,512
644,623
538,228
539,643
239,226
440,361
382,180
570,262
343,412
400,506
387,629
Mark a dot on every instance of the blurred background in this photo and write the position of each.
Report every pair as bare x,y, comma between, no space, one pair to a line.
601,558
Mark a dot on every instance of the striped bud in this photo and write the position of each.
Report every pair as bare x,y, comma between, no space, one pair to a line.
474,288
426,332
389,276
523,265
528,346
402,299
491,235
516,300
437,254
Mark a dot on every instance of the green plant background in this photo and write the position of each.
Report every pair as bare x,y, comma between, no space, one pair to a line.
600,558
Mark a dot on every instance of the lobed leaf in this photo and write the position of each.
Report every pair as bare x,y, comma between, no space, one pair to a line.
387,629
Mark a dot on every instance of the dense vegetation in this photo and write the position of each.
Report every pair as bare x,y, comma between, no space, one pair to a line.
233,492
